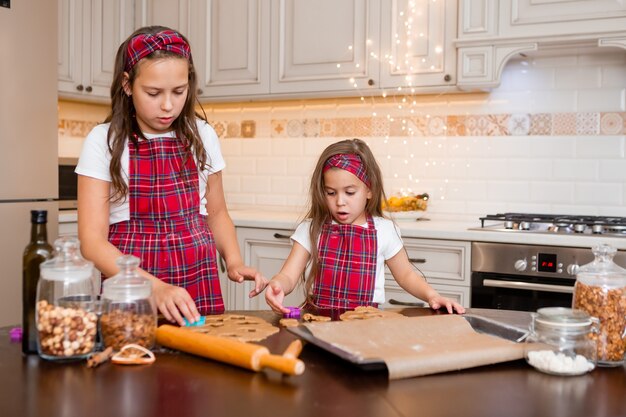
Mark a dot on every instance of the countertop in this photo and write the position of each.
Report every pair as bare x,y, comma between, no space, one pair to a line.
450,228
426,228
186,385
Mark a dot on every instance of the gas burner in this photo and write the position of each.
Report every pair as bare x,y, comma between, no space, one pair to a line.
555,223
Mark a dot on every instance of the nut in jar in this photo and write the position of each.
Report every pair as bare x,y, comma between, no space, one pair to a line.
65,332
609,306
600,290
121,327
127,314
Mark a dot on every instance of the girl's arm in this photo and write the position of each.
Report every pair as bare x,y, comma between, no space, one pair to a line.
223,229
93,232
286,280
415,284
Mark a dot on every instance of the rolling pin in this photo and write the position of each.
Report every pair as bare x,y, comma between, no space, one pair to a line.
245,355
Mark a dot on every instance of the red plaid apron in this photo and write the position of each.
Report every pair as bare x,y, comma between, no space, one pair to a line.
347,274
166,230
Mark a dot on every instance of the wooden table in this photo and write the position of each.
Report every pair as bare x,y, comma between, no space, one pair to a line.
184,385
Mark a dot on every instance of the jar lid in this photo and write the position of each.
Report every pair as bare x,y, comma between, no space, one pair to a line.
127,285
602,270
67,264
564,319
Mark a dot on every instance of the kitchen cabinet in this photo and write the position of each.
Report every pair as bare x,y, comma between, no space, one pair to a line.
68,228
491,32
90,32
262,49
446,264
266,250
418,37
226,284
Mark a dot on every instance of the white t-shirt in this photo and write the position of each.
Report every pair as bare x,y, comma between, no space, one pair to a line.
389,243
95,159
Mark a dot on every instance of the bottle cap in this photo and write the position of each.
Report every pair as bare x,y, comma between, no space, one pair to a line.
39,216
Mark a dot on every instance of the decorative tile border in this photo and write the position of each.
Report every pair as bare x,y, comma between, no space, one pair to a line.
519,124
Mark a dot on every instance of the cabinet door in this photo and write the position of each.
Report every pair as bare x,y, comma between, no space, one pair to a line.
231,47
396,297
444,263
522,18
174,14
70,20
111,23
324,45
266,250
417,47
90,32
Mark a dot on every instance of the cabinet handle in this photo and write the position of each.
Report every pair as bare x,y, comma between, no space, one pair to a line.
417,260
80,87
88,89
370,82
281,236
222,266
447,77
405,303
199,92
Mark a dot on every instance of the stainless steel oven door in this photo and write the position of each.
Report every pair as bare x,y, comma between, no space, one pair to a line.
518,292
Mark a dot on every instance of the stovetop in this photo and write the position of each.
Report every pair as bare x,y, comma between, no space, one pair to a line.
555,224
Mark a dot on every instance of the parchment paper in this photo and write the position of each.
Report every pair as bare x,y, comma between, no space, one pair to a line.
418,345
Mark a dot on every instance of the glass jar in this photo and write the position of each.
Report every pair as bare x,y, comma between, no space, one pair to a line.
66,322
127,314
560,341
600,290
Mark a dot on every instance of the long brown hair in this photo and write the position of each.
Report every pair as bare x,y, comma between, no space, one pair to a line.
318,209
122,117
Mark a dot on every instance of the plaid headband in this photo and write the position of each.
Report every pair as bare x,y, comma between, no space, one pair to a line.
349,162
143,45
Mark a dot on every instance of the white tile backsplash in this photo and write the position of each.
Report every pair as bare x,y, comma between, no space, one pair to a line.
537,143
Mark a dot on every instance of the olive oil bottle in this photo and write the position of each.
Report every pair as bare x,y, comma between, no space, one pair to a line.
37,251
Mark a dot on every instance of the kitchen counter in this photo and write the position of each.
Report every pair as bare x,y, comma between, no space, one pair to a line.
449,229
185,385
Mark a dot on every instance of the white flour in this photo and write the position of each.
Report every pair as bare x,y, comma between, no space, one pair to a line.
549,361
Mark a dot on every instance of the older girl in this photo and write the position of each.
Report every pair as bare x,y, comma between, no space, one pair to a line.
150,183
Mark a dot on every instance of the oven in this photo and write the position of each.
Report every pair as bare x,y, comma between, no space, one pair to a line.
68,184
525,277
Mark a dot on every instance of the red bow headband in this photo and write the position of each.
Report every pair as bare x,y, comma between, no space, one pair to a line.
349,162
143,45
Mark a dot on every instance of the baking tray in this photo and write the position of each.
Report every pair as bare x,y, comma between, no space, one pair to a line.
478,323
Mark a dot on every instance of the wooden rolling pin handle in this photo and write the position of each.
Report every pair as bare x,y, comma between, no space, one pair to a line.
245,355
289,366
294,349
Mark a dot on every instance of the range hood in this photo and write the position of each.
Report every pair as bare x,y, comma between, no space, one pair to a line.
492,32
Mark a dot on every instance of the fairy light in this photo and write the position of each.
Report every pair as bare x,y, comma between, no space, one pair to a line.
404,113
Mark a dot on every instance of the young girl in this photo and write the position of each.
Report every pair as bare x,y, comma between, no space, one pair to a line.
347,241
150,183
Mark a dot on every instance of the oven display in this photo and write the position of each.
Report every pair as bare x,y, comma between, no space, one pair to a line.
546,262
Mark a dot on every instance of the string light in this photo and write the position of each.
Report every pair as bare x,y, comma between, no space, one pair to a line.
404,113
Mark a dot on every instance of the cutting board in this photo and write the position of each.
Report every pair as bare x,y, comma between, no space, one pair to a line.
413,346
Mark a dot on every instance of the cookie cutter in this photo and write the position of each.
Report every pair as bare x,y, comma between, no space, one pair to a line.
200,322
294,313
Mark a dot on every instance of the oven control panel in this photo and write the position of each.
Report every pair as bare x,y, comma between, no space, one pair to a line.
532,260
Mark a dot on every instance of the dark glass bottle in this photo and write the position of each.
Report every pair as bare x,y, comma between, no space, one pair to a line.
37,251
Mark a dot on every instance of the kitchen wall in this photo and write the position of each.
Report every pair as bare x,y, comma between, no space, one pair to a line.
549,139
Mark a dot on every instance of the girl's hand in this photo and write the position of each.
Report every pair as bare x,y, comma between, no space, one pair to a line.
242,273
274,296
438,302
172,301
